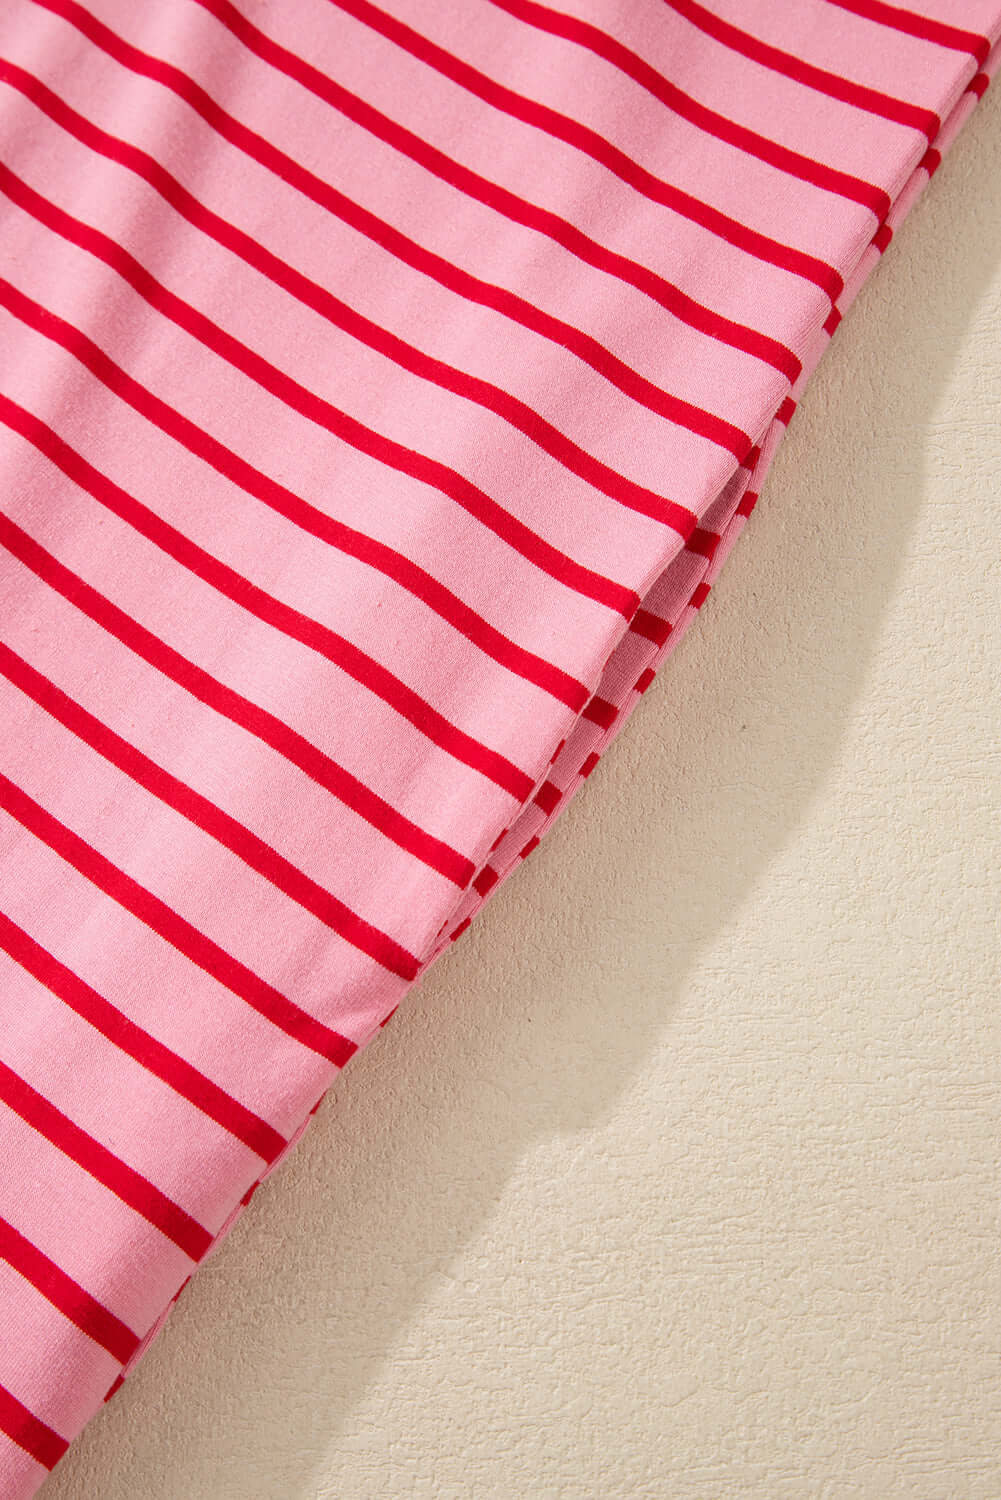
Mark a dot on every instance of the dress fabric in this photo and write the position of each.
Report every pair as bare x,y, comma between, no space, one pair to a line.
381,391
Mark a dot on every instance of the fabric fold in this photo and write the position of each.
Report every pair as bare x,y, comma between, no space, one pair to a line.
382,390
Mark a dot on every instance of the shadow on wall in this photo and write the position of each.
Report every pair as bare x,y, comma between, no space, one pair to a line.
537,1020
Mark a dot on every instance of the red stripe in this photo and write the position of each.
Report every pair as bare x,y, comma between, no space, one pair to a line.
562,127
159,1060
355,543
232,705
166,923
920,26
45,1446
485,881
519,537
255,852
703,542
781,157
89,1315
442,270
599,711
349,658
348,429
327,529
103,1165
456,935
824,82
256,721
548,797
281,385
260,856
650,626
490,193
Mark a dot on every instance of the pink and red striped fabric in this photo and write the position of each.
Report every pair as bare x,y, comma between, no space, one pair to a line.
382,389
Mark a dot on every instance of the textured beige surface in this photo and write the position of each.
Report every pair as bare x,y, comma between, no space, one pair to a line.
679,1177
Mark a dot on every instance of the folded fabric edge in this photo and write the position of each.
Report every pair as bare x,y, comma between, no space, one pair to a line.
667,612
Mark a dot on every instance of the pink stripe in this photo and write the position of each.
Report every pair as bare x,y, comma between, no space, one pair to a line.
738,335
72,1300
489,193
686,309
364,669
466,494
103,1165
321,768
350,659
130,1038
781,157
825,82
201,950
336,312
329,529
926,30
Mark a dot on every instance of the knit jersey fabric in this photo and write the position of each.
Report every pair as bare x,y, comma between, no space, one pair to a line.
381,390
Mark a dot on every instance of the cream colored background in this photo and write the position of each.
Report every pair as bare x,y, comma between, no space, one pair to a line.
679,1177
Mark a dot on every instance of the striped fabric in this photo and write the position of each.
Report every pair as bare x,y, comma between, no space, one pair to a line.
381,391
